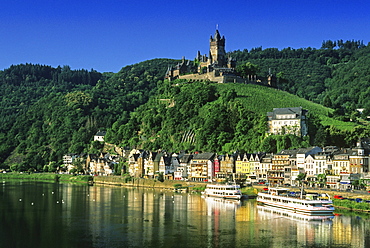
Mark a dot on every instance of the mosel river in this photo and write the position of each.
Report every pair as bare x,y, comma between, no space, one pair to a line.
38,214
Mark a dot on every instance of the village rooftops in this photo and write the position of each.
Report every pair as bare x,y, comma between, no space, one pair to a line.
204,156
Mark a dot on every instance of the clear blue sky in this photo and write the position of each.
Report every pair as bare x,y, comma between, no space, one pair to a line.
107,35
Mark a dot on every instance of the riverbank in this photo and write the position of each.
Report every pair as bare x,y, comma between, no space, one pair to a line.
181,186
149,183
105,180
46,177
175,185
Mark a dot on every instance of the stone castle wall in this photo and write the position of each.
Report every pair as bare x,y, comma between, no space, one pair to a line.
210,76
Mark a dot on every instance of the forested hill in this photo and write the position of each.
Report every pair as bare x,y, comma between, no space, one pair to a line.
336,75
48,112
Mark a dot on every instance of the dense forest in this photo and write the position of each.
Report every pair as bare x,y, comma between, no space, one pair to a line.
48,112
337,71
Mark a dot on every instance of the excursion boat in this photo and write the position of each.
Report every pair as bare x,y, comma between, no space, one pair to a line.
226,191
308,204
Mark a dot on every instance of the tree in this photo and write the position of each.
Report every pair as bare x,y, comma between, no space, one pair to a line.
79,165
229,95
321,178
328,44
248,69
96,146
301,177
269,144
321,137
160,177
327,102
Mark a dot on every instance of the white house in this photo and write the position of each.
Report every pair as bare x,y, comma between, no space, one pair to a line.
99,136
287,121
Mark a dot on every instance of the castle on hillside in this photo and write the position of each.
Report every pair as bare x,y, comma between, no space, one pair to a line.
216,67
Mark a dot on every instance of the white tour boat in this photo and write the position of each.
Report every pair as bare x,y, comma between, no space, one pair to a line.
309,204
226,191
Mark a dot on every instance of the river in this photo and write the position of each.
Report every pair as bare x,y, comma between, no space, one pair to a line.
39,214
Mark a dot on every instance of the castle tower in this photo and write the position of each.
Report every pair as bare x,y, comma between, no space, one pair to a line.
217,49
271,79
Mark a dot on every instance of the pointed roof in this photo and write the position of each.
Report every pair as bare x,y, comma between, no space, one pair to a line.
217,35
186,158
100,133
204,156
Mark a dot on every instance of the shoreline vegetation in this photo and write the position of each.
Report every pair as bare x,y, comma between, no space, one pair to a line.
177,186
47,177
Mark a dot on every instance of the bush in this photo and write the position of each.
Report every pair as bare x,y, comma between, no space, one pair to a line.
351,204
177,185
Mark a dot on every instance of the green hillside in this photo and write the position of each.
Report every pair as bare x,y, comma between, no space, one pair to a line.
336,75
48,112
224,118
261,99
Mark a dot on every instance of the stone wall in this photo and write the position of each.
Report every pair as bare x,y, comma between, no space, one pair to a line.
147,183
210,76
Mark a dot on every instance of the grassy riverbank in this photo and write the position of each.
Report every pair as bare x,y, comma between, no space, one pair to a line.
187,186
352,205
46,177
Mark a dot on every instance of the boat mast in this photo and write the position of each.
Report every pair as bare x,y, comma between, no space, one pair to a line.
302,191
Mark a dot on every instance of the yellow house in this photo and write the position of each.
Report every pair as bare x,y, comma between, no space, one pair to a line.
242,166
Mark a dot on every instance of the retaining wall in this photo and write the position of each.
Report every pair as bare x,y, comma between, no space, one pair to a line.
148,183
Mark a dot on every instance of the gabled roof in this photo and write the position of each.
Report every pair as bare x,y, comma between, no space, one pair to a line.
144,154
166,157
309,150
291,153
100,133
259,156
324,155
330,149
204,156
186,158
297,111
158,156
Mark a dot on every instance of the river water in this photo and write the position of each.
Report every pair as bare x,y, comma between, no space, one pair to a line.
38,214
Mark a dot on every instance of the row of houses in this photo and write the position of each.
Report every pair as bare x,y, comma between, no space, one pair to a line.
329,166
102,164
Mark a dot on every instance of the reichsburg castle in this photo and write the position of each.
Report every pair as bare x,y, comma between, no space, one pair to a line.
216,67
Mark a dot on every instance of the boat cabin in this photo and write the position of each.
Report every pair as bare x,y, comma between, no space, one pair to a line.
278,191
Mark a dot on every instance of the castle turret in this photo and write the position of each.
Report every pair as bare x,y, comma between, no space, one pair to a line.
231,63
217,49
271,79
199,57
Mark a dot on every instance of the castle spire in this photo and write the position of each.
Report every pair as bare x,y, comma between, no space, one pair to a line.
217,35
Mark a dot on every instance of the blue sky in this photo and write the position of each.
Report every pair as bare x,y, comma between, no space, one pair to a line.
108,35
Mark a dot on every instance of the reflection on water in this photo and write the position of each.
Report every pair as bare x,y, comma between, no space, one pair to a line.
220,204
296,229
65,215
269,212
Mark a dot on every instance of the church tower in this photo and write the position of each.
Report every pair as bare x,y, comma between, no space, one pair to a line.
217,50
